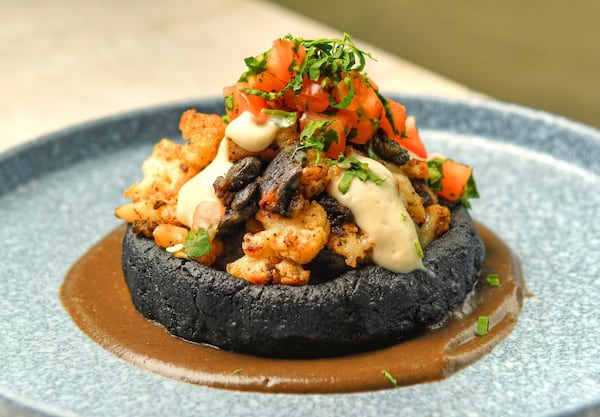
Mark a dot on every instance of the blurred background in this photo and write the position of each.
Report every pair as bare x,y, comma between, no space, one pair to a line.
539,53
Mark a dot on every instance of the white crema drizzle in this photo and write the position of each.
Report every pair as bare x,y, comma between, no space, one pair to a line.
245,132
381,213
200,189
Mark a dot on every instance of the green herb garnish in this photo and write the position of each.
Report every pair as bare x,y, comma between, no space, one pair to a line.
355,169
317,136
330,60
389,377
435,176
255,65
434,169
493,280
197,243
281,118
482,326
469,192
419,249
229,102
236,371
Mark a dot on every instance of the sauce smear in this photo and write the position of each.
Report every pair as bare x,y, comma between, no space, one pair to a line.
95,295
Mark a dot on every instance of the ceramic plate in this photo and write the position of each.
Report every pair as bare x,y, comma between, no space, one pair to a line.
539,180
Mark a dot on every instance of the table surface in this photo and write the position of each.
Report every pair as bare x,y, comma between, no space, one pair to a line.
65,62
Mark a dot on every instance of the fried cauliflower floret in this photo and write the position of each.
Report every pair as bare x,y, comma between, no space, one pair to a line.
203,134
279,250
353,244
154,199
415,168
437,222
299,239
270,270
314,180
412,201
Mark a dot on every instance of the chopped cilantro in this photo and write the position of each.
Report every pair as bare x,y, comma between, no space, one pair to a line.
347,99
371,153
255,65
355,169
229,102
493,280
281,118
434,168
435,177
327,60
317,136
482,326
469,192
197,243
419,249
389,377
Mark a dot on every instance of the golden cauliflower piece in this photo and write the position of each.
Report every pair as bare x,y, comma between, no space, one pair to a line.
280,249
437,222
353,244
154,199
270,270
299,239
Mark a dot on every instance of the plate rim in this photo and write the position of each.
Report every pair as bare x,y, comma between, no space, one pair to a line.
14,401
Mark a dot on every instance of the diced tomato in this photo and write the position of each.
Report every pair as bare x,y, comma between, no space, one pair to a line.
237,101
412,140
365,99
279,62
361,128
365,109
290,99
341,90
399,114
370,103
455,177
312,98
267,82
406,134
339,124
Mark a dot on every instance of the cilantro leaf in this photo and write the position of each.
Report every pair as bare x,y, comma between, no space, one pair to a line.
327,59
317,136
355,169
255,65
434,168
281,118
469,192
197,243
389,377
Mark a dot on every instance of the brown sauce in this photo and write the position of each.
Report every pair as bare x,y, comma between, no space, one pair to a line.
95,295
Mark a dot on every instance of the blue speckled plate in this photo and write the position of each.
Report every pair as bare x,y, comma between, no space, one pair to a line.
539,179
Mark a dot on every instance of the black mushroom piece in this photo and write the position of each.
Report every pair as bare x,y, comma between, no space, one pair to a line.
388,149
336,213
240,192
280,185
421,187
328,264
241,173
